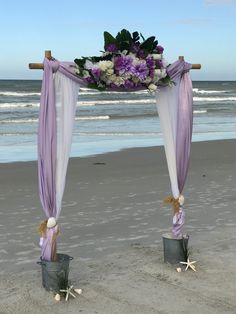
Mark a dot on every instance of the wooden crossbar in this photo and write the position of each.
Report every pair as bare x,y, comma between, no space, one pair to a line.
48,54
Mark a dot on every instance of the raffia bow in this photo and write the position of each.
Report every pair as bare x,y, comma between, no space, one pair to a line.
174,202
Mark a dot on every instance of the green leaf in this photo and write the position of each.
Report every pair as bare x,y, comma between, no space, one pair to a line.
148,44
165,81
108,39
123,35
142,37
155,44
95,59
80,62
135,37
124,45
94,86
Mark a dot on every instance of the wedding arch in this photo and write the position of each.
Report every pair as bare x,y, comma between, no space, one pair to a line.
60,89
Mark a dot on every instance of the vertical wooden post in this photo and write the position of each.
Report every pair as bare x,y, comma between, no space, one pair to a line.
48,54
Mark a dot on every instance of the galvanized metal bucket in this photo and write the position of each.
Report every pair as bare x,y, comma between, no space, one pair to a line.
175,250
55,274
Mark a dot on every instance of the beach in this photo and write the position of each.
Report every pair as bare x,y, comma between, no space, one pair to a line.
112,222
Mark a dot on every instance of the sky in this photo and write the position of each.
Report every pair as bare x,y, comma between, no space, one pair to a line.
203,31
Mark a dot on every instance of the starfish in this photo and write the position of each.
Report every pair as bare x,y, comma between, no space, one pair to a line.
68,292
189,264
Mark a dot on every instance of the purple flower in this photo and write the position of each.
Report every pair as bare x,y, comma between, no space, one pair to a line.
151,66
96,73
150,63
141,54
89,80
159,49
113,85
111,47
128,84
134,48
141,70
123,65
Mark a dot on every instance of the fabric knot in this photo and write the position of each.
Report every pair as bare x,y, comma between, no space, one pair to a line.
177,69
51,64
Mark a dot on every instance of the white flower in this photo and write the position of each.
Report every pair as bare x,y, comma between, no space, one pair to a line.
88,65
104,65
112,78
157,72
138,61
132,55
110,64
152,87
85,73
163,73
156,56
77,71
109,71
148,80
119,81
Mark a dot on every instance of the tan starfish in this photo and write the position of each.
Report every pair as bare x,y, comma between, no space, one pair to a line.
68,292
189,264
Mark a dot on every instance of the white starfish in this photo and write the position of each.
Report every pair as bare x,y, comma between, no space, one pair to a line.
189,264
68,292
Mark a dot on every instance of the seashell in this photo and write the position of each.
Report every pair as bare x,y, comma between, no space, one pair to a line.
78,291
51,222
178,269
181,200
57,297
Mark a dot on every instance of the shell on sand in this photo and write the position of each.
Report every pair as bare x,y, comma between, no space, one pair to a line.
57,297
79,291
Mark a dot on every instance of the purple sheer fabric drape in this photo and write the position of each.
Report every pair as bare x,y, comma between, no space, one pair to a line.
47,142
47,147
179,73
47,135
184,129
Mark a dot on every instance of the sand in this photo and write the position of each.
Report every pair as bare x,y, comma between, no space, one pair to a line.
111,223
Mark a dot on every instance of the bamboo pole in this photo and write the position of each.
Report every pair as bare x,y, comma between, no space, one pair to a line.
39,66
195,66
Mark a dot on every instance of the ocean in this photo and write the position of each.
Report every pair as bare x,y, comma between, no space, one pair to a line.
110,121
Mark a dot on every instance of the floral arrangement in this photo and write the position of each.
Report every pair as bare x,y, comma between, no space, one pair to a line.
126,64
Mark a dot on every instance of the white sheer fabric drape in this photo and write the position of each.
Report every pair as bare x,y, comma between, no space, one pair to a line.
167,102
66,91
